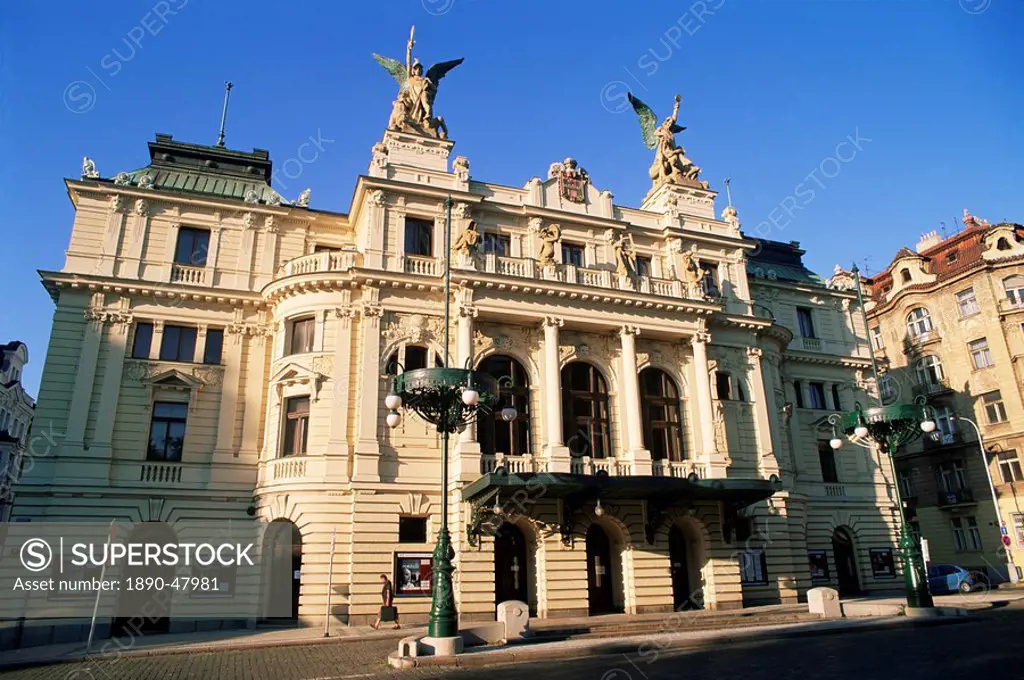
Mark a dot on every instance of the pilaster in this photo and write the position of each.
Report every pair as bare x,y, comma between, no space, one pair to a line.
768,464
366,467
555,449
338,444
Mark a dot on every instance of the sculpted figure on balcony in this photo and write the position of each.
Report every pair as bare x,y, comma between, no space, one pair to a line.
468,242
549,237
692,275
625,255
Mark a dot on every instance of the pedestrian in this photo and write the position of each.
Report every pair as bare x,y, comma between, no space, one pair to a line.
388,611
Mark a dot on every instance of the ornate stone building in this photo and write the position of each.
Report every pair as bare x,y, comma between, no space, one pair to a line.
219,351
16,411
948,320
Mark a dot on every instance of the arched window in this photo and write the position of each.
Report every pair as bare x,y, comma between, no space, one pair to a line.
905,275
409,358
1014,287
662,415
929,370
585,411
919,323
494,433
1002,244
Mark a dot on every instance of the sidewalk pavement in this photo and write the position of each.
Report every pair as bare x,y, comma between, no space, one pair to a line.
213,641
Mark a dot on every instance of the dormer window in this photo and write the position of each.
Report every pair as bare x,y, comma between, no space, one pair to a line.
1002,244
951,257
905,275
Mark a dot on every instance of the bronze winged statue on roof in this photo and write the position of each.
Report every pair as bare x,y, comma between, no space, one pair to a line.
670,162
413,109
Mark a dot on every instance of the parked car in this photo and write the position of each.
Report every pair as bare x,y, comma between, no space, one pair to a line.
949,578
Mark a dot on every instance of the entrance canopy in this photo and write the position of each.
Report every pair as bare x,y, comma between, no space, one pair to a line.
740,492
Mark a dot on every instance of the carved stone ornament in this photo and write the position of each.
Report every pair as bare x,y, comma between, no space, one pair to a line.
304,198
378,198
251,196
89,170
146,181
141,207
380,156
122,179
249,220
572,180
115,202
460,166
323,365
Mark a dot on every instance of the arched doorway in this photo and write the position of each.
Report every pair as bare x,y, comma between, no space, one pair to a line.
685,564
601,572
511,565
146,611
846,562
282,545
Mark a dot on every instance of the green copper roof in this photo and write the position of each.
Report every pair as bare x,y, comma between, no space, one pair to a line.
780,261
206,170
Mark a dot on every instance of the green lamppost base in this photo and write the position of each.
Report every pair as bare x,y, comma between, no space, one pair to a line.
444,618
914,575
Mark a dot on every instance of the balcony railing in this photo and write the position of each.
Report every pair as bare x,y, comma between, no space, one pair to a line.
584,276
1008,305
511,464
835,490
811,344
326,261
181,273
677,468
932,387
425,266
948,499
160,473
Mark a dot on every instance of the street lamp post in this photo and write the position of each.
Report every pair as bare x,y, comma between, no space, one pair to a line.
1011,570
450,399
888,428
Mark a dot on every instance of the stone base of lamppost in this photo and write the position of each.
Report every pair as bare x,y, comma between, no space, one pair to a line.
914,575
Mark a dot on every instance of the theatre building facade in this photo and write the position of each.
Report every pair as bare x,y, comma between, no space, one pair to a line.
221,352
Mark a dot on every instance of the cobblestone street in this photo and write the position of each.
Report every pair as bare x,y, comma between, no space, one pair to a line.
988,647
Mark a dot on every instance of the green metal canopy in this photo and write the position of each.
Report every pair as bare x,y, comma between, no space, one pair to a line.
661,489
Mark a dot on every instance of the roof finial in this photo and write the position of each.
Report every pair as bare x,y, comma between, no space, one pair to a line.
224,114
728,192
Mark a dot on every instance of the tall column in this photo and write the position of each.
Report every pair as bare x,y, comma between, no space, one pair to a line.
702,385
631,420
110,390
232,360
556,450
337,444
367,452
81,395
255,392
465,464
767,463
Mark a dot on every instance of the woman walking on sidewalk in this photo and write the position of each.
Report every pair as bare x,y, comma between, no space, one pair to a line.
388,611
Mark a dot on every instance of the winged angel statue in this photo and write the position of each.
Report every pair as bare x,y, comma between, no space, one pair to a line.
670,162
414,108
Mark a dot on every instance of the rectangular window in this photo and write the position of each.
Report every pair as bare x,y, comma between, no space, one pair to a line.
179,344
412,529
816,392
882,563
818,560
192,247
167,431
753,567
980,356
805,321
296,426
143,340
643,265
419,237
798,389
967,302
973,534
415,357
572,253
723,388
214,346
499,244
1009,467
876,338
959,537
995,411
827,458
907,484
836,402
952,476
301,335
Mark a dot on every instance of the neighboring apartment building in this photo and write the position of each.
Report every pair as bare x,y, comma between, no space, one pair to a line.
16,410
948,321
220,352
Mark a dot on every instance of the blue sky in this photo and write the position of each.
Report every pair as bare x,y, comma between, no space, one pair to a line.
930,89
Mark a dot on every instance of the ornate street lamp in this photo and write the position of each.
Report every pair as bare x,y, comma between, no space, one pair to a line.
450,399
888,428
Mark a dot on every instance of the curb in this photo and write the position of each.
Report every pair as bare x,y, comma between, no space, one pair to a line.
608,648
242,645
